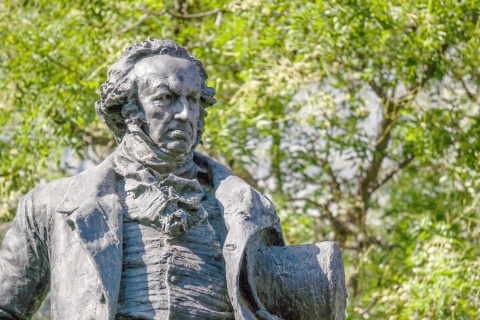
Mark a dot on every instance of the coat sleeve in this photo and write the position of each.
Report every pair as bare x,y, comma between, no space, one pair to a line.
24,267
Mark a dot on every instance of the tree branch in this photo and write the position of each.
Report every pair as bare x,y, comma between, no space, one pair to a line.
341,227
377,89
380,92
464,85
367,310
389,176
389,116
154,13
142,18
194,15
431,68
218,20
58,63
318,204
328,168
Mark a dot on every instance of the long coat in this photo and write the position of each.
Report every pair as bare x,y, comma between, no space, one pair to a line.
67,239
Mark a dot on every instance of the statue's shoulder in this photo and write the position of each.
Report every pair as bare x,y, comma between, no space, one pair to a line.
219,174
224,181
54,193
234,193
40,202
48,193
214,169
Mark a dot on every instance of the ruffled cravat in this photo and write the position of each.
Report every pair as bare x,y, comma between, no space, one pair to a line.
173,205
170,201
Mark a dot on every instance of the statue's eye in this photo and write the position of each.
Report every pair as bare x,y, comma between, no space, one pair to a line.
192,99
168,96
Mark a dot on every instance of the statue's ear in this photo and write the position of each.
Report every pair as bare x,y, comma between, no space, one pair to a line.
133,113
133,108
130,109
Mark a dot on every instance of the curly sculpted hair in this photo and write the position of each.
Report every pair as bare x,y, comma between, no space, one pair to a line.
118,97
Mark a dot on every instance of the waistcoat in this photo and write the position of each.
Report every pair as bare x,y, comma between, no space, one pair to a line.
180,277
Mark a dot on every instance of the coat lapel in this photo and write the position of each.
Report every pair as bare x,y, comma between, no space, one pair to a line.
95,213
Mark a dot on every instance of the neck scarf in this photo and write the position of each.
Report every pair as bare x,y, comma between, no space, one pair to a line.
158,191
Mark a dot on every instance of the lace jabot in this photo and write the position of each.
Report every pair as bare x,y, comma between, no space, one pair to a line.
158,192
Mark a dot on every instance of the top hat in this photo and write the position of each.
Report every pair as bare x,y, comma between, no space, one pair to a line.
299,282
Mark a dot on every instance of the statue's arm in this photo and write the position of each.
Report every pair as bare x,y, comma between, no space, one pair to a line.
24,267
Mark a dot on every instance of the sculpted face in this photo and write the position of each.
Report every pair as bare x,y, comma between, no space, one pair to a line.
169,90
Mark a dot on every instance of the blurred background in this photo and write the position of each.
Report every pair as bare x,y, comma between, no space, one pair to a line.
359,119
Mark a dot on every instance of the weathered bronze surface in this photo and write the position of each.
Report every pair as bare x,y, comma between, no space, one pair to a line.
157,230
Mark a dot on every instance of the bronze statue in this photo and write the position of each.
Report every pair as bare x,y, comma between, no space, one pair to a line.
157,230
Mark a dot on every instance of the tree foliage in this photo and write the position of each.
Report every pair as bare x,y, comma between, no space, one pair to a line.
360,118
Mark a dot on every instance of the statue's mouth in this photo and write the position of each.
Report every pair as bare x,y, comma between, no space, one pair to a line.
180,135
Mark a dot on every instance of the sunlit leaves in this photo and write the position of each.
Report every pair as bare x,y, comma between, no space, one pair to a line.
356,117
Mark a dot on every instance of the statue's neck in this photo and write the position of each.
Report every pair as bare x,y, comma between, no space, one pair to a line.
137,150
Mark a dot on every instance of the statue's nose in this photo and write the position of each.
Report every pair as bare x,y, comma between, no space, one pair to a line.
183,109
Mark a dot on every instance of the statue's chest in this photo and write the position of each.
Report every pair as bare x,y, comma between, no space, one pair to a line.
174,278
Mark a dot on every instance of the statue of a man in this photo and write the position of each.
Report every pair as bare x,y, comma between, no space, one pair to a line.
158,231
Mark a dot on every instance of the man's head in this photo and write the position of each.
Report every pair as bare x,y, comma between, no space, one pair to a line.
162,88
